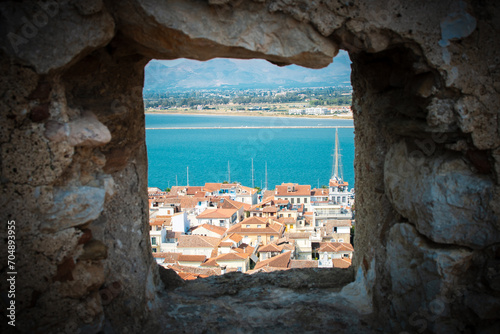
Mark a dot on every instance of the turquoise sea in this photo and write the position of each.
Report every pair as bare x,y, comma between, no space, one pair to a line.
301,156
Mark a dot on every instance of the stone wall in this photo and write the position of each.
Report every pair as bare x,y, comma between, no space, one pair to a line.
74,165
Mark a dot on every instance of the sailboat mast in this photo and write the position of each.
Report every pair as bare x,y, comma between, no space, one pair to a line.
253,183
266,174
336,168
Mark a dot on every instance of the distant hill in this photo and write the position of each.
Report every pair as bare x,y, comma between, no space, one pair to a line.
185,74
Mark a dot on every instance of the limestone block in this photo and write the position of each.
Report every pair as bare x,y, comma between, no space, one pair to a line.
59,245
84,131
424,279
88,7
440,113
87,277
94,250
74,206
246,30
48,35
482,126
445,200
28,159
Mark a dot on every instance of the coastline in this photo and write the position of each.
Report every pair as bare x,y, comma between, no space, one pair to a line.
244,114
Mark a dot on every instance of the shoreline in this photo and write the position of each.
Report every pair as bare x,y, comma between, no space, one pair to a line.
245,114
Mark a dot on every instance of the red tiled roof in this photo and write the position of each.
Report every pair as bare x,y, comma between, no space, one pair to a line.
244,248
191,258
217,213
269,248
211,262
280,261
333,247
232,256
303,264
270,209
234,237
193,190
341,263
268,228
302,235
321,192
295,190
192,241
211,187
213,228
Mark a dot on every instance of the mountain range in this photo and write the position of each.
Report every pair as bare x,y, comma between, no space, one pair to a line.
220,73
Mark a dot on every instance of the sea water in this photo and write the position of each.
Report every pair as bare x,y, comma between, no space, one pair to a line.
301,156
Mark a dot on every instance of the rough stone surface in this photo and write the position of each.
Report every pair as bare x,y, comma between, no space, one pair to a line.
74,207
442,196
426,79
84,131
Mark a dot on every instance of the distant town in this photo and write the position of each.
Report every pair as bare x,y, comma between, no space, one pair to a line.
216,228
332,101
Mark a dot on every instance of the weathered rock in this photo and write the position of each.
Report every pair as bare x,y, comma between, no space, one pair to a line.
486,306
51,25
94,250
84,131
425,279
424,71
74,206
245,30
445,200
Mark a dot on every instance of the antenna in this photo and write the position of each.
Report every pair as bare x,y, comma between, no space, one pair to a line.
228,172
187,168
253,183
266,175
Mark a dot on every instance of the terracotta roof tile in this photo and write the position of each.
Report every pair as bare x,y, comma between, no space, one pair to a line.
303,264
341,263
211,187
213,228
293,189
193,190
217,213
280,261
191,258
269,248
193,241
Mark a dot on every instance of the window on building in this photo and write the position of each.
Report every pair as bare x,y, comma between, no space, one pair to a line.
272,237
259,238
259,226
298,200
335,230
305,200
292,200
158,228
240,269
153,240
246,236
289,215
248,226
341,240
